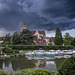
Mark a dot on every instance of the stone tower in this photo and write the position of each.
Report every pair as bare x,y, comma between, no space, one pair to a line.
24,26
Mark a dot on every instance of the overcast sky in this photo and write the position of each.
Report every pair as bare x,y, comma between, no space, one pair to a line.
38,15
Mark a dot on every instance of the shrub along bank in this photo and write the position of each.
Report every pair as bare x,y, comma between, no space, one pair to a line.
37,47
67,67
2,72
30,72
7,50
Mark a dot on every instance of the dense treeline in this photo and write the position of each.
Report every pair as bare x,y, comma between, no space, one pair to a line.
65,40
23,38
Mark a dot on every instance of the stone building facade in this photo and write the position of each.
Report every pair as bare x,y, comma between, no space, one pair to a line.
39,37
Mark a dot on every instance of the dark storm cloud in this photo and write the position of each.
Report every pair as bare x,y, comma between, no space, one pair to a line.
37,14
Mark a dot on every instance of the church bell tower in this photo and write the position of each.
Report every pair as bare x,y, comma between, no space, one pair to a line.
24,26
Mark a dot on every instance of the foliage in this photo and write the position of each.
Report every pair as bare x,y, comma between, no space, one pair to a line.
67,67
50,43
15,51
58,37
8,50
23,52
73,42
30,72
6,43
7,38
26,37
68,39
15,38
3,72
35,72
37,47
59,62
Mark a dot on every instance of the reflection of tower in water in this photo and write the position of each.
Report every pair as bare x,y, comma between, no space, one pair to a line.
46,65
40,63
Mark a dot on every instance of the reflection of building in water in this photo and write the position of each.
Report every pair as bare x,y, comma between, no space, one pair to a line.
47,65
41,63
1,51
50,65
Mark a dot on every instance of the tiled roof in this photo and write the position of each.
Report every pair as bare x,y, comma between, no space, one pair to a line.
40,32
33,32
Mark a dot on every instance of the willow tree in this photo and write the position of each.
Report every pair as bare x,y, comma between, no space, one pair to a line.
58,40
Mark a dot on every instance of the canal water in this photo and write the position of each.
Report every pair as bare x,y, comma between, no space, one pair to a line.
17,63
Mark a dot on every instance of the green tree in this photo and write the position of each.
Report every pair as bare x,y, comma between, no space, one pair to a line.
7,43
67,67
73,42
15,38
50,43
26,37
68,39
58,40
7,38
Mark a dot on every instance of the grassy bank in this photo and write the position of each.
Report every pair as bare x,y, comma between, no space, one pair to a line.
23,52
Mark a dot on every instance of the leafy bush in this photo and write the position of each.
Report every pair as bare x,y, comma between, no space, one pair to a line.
50,43
7,43
36,47
30,72
35,72
8,50
67,67
15,51
4,72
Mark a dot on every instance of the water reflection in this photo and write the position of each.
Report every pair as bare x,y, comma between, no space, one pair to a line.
17,63
49,65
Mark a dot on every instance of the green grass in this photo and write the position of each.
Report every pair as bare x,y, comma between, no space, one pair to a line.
23,52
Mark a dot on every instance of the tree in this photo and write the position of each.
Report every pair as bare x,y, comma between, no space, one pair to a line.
73,42
58,37
7,38
15,38
26,37
67,67
50,43
68,39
